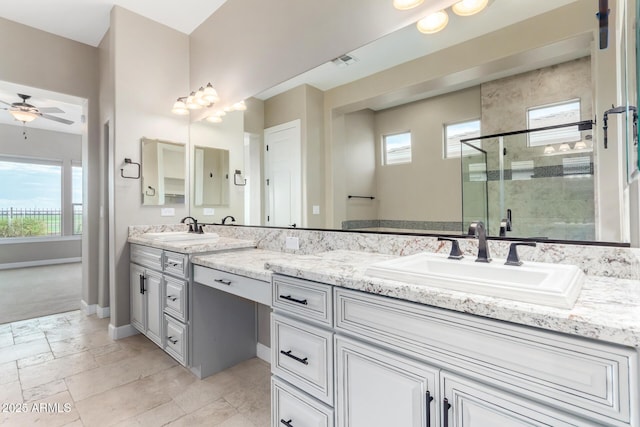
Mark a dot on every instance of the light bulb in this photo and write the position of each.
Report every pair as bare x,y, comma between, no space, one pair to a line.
433,23
23,116
580,145
406,4
469,7
179,107
210,94
564,147
240,106
214,119
191,102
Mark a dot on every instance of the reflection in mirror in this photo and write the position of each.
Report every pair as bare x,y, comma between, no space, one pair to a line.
211,179
163,172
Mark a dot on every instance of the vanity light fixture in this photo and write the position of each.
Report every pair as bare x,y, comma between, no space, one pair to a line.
239,106
469,7
433,23
210,94
406,4
179,107
564,147
580,145
214,119
549,149
192,103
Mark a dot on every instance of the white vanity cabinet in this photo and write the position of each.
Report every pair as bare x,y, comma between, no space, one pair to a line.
302,353
159,309
406,364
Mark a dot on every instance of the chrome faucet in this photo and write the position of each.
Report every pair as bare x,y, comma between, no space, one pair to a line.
224,220
193,226
478,229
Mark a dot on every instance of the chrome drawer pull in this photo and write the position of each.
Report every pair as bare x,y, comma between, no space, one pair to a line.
172,298
172,340
287,423
224,282
292,299
288,353
173,264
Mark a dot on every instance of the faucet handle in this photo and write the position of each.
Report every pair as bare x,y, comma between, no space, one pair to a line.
455,253
513,258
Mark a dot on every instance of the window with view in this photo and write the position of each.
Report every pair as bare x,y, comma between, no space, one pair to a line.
30,198
551,115
454,132
397,148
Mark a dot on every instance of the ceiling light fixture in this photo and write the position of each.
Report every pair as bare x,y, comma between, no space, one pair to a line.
433,23
23,116
406,4
469,7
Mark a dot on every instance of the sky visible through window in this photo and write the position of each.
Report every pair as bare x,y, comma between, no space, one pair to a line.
29,185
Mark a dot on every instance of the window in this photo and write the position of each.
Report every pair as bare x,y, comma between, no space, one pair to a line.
453,133
550,115
76,198
397,148
30,198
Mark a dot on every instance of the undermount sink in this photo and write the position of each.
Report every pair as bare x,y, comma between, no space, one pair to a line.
178,236
555,285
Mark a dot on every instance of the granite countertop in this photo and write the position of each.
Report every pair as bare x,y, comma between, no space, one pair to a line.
608,309
248,263
215,244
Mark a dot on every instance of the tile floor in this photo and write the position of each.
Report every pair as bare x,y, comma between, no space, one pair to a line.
64,370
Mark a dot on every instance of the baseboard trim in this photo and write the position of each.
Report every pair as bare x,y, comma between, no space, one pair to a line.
103,312
39,263
263,352
88,309
119,332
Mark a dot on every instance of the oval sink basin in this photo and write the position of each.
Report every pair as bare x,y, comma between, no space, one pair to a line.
178,236
554,285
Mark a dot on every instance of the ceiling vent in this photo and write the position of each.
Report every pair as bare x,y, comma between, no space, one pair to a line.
344,60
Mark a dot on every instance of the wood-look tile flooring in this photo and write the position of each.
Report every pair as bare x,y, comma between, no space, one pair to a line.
64,370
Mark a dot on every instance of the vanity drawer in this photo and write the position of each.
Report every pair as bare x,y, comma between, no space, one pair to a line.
574,374
146,256
311,301
176,264
175,339
242,286
303,355
296,408
175,298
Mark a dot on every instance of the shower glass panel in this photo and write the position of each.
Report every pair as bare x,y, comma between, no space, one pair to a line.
544,178
475,205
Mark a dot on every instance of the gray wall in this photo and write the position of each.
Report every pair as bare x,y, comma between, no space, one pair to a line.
35,58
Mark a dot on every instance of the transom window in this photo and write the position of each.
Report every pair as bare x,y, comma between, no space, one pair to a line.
396,148
551,115
454,132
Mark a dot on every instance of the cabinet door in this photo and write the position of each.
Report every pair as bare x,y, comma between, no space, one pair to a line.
467,403
153,293
376,388
136,280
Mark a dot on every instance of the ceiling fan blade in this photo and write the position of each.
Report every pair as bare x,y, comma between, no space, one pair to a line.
56,119
50,110
6,103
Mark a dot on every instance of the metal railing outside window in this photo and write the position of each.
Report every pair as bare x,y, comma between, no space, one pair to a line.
77,218
18,222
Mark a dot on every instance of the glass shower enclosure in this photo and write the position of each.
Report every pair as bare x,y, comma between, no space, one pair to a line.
541,179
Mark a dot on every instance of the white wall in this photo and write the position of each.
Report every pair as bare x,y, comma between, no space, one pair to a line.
150,64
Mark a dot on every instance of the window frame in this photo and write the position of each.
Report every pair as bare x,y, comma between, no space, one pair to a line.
459,153
385,158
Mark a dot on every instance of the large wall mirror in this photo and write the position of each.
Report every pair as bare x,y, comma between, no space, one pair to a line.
163,172
387,127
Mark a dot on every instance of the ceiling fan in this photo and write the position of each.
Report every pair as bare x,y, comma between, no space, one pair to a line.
24,112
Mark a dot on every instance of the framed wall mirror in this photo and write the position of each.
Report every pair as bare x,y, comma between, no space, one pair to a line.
211,176
163,172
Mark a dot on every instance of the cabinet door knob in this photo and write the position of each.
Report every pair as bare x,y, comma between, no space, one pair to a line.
296,358
172,340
